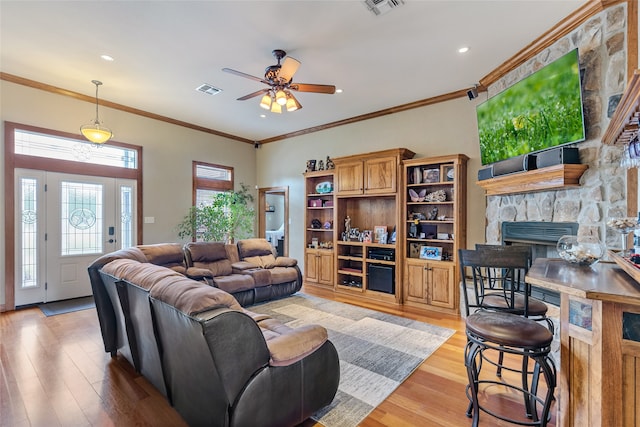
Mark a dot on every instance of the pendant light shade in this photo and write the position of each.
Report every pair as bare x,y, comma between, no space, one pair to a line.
281,97
292,103
276,108
95,131
265,102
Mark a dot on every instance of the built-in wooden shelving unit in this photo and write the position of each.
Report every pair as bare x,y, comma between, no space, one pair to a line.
549,178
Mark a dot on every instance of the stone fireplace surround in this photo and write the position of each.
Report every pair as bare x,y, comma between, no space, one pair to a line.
602,43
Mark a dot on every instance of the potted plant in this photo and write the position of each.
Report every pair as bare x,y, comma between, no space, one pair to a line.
230,216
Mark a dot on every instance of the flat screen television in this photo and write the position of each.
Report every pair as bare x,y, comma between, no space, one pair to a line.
543,110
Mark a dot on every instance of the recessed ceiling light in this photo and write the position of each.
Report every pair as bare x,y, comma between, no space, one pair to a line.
263,116
107,57
463,49
338,90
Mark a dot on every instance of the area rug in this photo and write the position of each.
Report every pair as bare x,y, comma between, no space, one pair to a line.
377,351
67,306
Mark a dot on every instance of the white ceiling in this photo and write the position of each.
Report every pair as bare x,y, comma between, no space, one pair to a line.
163,50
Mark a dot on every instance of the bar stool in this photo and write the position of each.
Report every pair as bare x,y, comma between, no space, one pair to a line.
513,334
501,325
494,284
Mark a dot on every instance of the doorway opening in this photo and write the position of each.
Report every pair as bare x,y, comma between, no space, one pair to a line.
273,217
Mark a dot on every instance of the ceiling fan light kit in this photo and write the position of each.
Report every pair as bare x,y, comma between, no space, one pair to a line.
95,131
265,102
279,78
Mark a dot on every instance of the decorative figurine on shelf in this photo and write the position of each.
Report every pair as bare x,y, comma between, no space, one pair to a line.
315,223
311,165
327,225
320,165
433,214
347,225
329,164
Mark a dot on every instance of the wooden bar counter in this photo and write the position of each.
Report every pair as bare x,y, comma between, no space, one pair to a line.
599,372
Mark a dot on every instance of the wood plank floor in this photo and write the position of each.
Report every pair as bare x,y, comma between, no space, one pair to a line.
54,372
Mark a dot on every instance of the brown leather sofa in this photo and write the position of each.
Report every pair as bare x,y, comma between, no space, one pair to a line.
249,270
217,363
206,261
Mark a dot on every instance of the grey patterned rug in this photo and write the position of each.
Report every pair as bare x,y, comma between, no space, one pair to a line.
377,351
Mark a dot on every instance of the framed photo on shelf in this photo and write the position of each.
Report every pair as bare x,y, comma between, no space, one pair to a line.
431,252
380,234
366,236
447,172
431,175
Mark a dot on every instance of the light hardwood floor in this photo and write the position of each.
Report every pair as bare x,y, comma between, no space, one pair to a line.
54,372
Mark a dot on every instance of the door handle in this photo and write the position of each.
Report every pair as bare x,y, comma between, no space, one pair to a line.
110,241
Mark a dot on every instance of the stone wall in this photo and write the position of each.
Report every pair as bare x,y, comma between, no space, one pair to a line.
601,43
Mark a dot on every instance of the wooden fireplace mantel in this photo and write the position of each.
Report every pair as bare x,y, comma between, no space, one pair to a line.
549,178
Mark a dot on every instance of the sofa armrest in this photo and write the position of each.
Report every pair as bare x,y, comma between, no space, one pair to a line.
287,345
285,261
240,266
197,273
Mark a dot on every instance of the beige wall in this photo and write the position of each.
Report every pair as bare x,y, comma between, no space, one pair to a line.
168,151
445,128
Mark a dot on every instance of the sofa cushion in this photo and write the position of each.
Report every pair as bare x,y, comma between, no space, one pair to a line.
209,255
254,247
262,261
144,275
206,251
287,345
234,282
261,277
127,253
191,297
283,275
168,255
285,261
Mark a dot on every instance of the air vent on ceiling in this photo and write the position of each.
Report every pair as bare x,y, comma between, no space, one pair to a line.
208,89
379,7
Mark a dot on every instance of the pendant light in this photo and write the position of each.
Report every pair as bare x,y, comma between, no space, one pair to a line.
95,131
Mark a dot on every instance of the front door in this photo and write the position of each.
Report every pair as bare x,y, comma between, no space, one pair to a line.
63,223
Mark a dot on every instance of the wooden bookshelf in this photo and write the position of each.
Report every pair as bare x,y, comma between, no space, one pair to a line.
549,178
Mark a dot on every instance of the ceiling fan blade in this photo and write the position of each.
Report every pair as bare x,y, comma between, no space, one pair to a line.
253,94
288,69
241,74
304,87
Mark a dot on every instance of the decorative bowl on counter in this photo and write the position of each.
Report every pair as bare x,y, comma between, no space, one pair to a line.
581,250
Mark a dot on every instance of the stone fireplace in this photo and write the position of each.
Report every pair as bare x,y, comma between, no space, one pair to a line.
542,237
602,42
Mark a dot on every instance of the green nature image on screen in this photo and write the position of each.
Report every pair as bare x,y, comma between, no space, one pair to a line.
541,111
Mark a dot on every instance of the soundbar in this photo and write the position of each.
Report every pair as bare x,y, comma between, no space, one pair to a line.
512,165
558,156
486,173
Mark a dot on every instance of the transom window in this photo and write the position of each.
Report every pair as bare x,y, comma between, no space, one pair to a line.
56,147
209,180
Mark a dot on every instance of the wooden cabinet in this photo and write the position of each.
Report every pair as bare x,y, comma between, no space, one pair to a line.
319,228
318,266
430,283
371,173
380,175
434,228
350,178
367,194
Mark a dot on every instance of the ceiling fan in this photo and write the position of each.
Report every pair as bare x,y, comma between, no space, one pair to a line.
279,79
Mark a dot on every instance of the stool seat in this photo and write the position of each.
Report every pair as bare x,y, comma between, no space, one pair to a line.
498,302
509,330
